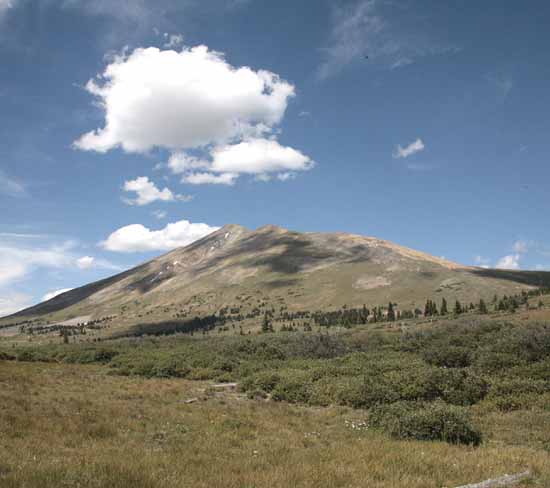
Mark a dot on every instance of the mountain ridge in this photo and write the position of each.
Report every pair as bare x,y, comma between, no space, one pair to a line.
285,268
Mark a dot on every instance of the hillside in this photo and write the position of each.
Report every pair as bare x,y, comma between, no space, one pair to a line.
273,268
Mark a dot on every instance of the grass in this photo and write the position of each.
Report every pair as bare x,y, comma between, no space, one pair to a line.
365,406
76,425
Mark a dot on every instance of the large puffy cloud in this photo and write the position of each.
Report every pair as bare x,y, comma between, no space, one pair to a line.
147,192
193,101
193,98
138,238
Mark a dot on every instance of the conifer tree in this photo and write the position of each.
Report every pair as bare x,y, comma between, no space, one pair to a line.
458,308
443,310
391,312
266,324
482,307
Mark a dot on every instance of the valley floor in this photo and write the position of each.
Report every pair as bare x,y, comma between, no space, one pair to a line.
69,425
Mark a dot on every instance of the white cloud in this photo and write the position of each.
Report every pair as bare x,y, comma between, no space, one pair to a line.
159,214
13,302
509,262
148,193
412,148
210,178
482,262
181,162
52,294
173,40
85,262
253,156
5,5
502,84
138,238
177,100
384,31
18,261
258,156
9,186
520,247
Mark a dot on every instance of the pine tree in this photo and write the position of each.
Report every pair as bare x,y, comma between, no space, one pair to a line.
391,312
482,307
443,310
458,308
266,324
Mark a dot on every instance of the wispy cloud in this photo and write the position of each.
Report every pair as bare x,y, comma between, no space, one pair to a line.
502,84
375,29
5,5
412,148
10,186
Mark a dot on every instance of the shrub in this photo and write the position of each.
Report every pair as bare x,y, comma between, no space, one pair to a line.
448,356
426,422
294,387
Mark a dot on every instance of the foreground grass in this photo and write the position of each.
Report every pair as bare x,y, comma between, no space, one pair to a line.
73,425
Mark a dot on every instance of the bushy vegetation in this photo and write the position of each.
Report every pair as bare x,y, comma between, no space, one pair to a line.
432,421
440,371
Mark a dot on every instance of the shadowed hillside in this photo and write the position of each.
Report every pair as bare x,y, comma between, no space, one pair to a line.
275,268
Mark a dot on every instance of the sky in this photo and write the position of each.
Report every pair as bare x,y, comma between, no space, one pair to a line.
131,127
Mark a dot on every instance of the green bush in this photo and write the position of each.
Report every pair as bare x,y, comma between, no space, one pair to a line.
448,356
426,422
293,387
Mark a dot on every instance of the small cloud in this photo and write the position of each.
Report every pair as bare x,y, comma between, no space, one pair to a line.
85,262
210,178
304,113
11,187
180,162
5,5
159,214
148,193
511,261
53,294
420,166
482,262
502,84
405,152
173,40
520,247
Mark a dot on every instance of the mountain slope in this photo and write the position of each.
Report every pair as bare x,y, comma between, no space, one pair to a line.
275,267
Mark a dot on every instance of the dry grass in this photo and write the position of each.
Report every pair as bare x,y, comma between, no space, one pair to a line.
75,426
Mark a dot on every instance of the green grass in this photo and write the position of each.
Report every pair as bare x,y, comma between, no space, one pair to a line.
74,425
367,406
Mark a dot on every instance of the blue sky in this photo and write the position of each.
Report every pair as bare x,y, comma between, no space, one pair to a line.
206,113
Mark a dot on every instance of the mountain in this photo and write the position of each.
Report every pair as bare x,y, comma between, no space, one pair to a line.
276,268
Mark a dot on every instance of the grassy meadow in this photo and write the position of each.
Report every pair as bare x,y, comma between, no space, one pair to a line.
437,403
